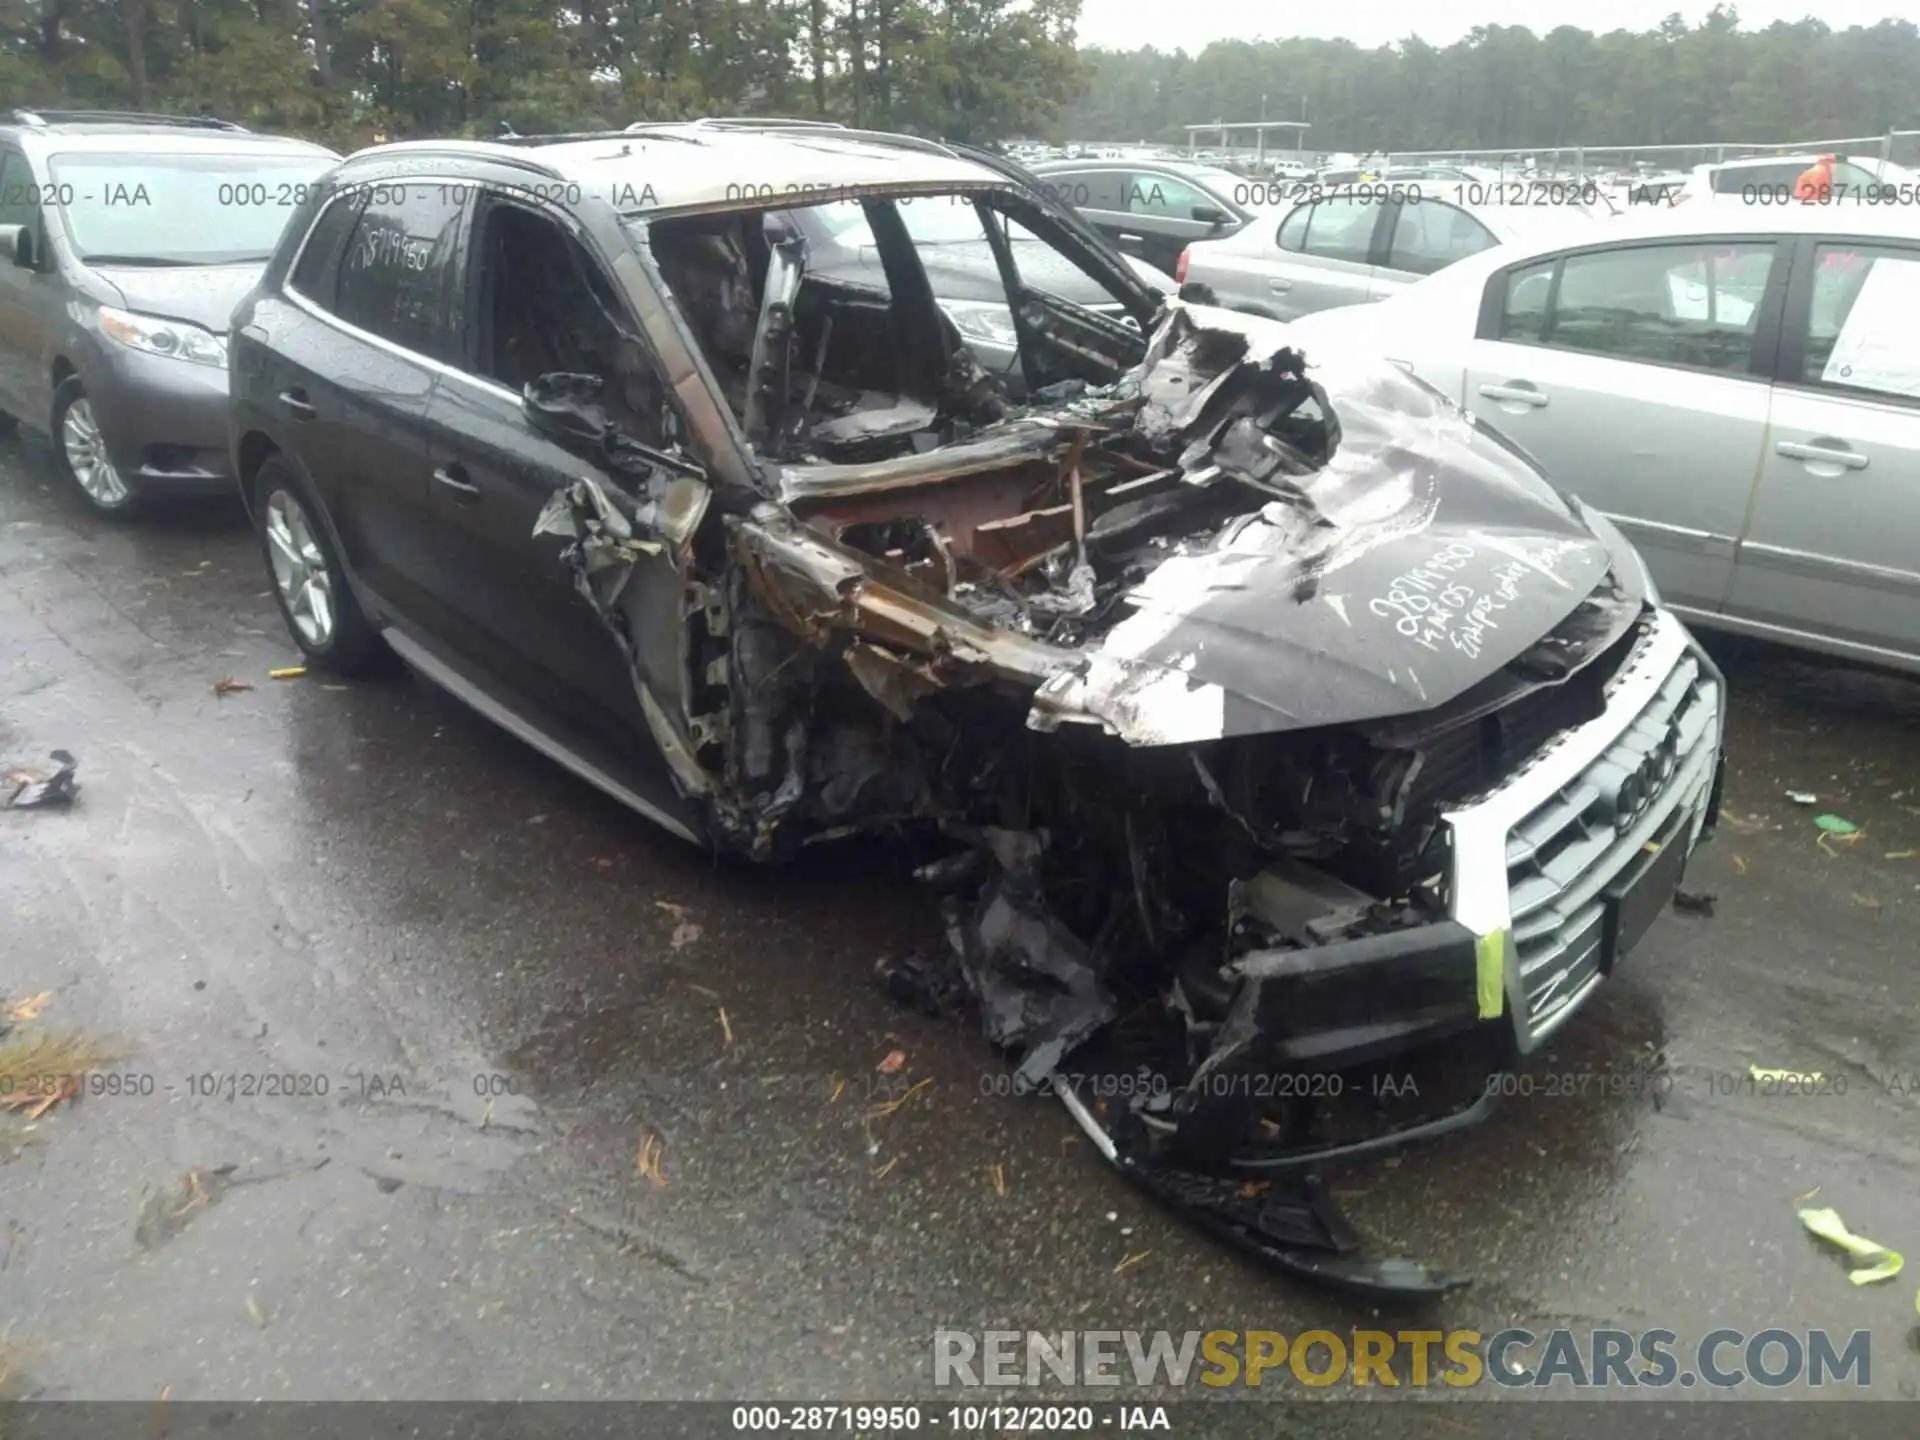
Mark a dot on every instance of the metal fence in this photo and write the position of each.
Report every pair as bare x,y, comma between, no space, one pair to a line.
1902,147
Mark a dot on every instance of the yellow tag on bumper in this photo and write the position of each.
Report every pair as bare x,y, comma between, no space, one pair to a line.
1490,973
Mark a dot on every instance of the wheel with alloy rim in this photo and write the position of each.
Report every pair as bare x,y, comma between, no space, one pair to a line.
308,580
83,452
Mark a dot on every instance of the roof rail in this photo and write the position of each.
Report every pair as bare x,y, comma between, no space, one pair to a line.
641,131
762,122
839,132
41,118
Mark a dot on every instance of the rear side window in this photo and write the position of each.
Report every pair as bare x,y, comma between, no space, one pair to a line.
1430,235
1091,189
398,273
1342,228
1858,333
316,273
1292,234
1152,194
1772,178
1525,316
1693,305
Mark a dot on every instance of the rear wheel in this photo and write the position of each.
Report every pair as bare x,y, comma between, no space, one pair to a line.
309,582
82,452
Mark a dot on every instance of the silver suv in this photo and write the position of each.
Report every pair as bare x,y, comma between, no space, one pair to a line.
125,241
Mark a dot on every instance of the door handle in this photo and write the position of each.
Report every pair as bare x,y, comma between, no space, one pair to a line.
454,477
1125,236
1518,393
1279,287
1824,451
297,404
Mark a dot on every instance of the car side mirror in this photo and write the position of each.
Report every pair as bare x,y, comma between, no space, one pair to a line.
1209,214
16,242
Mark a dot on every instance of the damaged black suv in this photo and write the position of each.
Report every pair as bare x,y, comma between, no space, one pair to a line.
1277,718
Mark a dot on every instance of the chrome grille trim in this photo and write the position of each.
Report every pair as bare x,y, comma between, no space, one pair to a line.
1536,854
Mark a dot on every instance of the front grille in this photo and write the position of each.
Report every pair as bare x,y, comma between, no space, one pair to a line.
1564,853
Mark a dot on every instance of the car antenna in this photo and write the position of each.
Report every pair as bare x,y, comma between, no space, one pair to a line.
505,131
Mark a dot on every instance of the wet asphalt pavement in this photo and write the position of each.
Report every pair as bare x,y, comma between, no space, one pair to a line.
514,995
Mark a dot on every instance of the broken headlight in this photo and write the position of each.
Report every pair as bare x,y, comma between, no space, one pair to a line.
982,320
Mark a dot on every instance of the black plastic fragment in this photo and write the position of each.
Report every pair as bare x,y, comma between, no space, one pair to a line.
57,790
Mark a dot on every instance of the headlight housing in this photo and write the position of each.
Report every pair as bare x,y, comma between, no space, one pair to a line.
173,339
982,320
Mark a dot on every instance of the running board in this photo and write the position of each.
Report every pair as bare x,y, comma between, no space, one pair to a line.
514,723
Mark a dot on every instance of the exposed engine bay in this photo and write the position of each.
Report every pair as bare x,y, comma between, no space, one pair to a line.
1182,661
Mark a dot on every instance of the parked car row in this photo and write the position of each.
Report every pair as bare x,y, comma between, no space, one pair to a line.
1737,388
656,452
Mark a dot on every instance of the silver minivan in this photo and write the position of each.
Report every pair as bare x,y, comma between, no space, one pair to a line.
125,242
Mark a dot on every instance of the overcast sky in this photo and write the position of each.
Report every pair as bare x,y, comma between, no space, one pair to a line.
1191,25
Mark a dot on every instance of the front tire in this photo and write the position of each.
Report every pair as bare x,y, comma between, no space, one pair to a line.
309,582
81,452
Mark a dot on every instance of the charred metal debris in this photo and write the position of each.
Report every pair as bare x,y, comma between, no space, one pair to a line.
1107,642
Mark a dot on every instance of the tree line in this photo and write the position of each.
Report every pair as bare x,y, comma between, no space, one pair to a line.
348,71
1504,86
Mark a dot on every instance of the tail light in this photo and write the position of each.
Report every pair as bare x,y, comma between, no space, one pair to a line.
1180,269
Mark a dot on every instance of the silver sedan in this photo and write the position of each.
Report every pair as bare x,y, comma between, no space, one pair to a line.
1736,387
1326,246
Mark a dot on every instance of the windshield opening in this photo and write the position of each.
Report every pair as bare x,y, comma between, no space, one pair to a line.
184,209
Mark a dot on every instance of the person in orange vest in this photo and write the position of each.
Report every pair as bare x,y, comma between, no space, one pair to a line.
1815,185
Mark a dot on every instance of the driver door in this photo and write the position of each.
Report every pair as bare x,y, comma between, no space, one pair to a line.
536,303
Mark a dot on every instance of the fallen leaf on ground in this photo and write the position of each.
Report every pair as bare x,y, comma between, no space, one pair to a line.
895,1061
684,934
1900,854
1865,901
999,1174
38,1071
253,1309
678,912
1739,864
878,1111
1835,824
1130,1261
647,1163
726,1025
29,1008
882,1171
228,685
1803,797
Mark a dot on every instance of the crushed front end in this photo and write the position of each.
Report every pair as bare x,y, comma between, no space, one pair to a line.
1280,725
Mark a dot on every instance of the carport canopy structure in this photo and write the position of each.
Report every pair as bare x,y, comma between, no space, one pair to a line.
1224,128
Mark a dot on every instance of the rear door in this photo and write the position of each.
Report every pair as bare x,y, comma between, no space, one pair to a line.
1831,549
352,378
1637,374
1427,236
1100,196
1316,257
